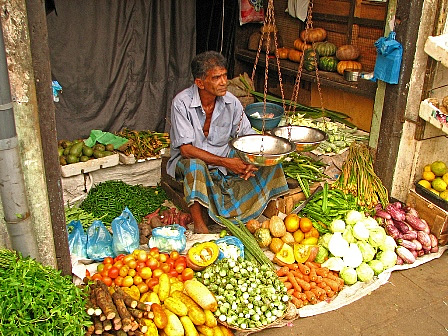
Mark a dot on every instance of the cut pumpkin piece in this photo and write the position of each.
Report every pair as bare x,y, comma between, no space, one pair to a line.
302,252
286,254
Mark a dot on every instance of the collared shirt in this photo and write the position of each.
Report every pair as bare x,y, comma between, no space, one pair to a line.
187,122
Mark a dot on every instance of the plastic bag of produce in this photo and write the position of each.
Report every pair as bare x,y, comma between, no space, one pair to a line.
168,238
230,247
77,239
126,236
99,242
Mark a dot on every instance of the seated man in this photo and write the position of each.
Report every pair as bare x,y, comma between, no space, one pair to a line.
204,117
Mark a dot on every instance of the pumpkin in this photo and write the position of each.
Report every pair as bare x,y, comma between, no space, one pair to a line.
276,245
283,53
347,52
277,227
325,48
313,35
342,65
263,237
288,238
252,225
286,254
311,58
295,55
328,63
300,45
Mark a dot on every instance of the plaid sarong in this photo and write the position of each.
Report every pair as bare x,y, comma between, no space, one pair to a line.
229,195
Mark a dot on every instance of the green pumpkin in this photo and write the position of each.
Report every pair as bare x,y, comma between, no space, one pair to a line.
328,63
310,59
325,48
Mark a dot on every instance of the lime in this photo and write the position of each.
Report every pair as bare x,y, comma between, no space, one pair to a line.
438,168
426,184
439,184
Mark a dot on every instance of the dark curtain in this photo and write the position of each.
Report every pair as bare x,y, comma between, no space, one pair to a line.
119,62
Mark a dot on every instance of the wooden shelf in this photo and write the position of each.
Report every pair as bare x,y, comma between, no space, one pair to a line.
433,115
437,48
330,79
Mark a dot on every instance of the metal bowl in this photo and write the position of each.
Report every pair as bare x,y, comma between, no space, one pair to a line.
262,150
269,123
305,138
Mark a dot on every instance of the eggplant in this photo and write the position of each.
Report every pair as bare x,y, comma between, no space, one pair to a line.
415,222
407,256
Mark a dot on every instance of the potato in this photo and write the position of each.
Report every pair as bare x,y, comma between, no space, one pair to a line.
190,329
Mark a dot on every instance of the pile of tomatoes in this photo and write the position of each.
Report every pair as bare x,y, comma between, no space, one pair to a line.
142,269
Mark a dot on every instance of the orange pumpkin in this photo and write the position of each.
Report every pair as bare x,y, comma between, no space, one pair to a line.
342,65
295,55
283,53
313,35
347,52
300,45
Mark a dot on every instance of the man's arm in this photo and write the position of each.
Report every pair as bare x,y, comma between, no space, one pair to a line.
235,165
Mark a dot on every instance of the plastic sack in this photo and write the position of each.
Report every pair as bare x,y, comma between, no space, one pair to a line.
99,242
126,234
388,59
230,252
77,239
168,238
251,11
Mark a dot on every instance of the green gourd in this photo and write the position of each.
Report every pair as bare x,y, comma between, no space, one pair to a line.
328,63
311,58
325,48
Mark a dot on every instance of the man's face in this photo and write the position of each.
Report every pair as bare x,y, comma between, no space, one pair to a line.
215,83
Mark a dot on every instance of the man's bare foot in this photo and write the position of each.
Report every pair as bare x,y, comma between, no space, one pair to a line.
200,228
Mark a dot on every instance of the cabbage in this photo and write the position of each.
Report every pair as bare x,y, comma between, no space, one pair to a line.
334,264
370,223
348,274
389,244
377,236
388,258
337,245
324,240
360,231
365,272
353,257
348,234
367,251
322,255
337,225
376,265
353,217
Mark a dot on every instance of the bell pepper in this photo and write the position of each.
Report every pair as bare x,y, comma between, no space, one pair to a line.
203,254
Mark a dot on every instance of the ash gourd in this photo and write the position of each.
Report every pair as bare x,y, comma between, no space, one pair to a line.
412,233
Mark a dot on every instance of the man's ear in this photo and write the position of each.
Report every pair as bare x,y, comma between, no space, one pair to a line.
199,83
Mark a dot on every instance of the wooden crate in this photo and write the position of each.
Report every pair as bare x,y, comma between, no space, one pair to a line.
436,217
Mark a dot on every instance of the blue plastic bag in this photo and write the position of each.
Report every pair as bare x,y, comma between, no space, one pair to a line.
99,242
77,239
168,238
388,59
230,240
126,235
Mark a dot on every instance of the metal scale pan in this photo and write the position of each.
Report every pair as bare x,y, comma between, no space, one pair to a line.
304,138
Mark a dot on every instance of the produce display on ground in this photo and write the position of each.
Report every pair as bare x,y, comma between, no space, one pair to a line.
144,144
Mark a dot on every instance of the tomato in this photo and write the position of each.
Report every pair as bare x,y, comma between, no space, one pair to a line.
142,287
87,274
118,281
152,282
118,257
157,273
140,265
187,274
154,252
97,276
135,253
104,273
137,279
170,262
152,263
180,268
181,259
132,272
142,256
100,267
145,272
107,280
174,255
165,268
128,281
173,273
123,271
113,272
163,257
131,263
118,264
107,267
127,258
108,260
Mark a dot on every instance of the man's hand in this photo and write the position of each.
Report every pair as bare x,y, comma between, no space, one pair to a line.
241,168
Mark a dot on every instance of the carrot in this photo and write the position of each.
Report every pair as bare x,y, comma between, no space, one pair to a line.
310,296
282,271
305,285
290,291
323,271
313,275
334,285
283,278
322,284
313,284
294,282
330,293
306,278
304,269
319,279
292,266
297,302
310,264
297,295
287,284
297,274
